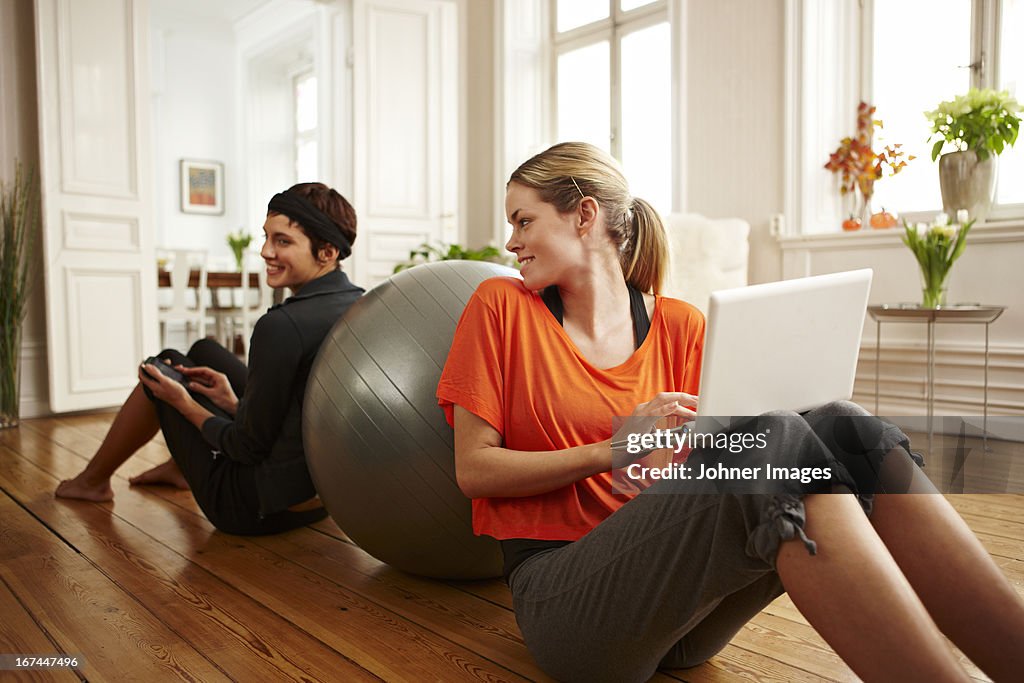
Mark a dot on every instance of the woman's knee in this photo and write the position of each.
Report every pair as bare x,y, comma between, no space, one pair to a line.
175,356
840,409
204,347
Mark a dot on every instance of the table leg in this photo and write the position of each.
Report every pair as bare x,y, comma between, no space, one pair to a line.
878,345
984,407
931,381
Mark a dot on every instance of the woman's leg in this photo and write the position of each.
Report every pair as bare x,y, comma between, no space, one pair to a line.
966,594
136,423
854,594
208,353
964,591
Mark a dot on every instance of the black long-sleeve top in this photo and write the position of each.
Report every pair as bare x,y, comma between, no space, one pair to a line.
267,429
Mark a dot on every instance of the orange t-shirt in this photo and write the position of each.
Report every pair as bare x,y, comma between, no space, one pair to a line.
514,366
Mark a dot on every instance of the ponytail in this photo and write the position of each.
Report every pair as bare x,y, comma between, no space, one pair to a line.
645,258
562,175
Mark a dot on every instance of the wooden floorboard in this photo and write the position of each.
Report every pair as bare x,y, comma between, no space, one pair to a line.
363,631
85,613
144,587
250,641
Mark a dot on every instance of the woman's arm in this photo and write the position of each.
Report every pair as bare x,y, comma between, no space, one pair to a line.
275,363
212,384
175,395
484,469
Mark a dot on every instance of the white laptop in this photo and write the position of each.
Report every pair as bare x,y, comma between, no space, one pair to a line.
789,345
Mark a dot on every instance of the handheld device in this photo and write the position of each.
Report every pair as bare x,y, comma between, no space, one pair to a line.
165,369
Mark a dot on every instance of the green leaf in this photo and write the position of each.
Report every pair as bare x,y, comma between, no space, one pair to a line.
937,148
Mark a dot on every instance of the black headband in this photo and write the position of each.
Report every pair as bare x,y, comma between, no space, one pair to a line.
315,221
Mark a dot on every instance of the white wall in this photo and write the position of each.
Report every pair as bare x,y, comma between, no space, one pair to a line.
195,115
477,115
734,118
19,138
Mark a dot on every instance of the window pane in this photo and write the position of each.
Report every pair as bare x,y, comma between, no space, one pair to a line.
306,162
305,103
1011,77
575,13
647,114
626,5
584,95
919,48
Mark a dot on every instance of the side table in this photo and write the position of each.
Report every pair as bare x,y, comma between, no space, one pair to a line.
967,314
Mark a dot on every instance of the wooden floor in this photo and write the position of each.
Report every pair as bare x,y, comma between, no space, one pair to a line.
145,588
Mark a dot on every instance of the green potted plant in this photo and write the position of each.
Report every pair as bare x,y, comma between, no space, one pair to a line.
19,224
427,253
979,125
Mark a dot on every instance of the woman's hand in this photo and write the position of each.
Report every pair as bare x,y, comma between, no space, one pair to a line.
164,388
669,408
669,404
212,384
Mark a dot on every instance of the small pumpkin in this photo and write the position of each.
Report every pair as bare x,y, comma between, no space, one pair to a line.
852,223
883,219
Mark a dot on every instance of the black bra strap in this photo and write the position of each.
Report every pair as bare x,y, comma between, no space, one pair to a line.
641,321
553,300
637,310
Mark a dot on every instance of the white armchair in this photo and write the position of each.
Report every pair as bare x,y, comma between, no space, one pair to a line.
706,254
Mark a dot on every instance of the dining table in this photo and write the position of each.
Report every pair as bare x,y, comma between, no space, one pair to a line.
215,279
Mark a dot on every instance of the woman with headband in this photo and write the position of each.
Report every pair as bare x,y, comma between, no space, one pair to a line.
235,432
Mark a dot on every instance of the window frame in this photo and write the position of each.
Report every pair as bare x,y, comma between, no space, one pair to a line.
811,208
613,28
299,137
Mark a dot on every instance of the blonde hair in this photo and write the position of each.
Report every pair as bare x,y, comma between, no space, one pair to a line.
562,175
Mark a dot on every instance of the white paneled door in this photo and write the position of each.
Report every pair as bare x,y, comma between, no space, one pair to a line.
92,70
405,82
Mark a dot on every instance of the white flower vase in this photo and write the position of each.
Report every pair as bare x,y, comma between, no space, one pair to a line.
967,183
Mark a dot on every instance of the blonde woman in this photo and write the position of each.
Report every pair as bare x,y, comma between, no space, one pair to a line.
610,587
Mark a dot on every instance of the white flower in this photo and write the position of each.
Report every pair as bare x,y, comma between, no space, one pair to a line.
922,229
941,219
962,216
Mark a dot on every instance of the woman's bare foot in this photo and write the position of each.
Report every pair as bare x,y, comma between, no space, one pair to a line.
80,488
167,474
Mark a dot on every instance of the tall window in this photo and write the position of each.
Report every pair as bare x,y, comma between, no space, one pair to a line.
927,51
613,86
933,43
306,157
903,56
1010,76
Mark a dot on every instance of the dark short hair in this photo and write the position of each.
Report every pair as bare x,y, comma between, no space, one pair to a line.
335,207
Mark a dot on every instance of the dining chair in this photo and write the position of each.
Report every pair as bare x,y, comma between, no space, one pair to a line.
239,320
187,304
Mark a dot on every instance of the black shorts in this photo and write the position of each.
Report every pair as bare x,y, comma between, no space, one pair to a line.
225,490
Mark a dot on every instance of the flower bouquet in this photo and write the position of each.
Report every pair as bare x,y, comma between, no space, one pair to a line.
859,165
936,248
239,241
985,121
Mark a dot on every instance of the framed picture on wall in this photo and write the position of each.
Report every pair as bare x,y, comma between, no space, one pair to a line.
202,187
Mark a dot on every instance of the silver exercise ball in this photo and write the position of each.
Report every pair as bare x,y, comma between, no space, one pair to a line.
377,444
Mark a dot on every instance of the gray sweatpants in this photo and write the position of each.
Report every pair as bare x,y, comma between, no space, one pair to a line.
672,576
